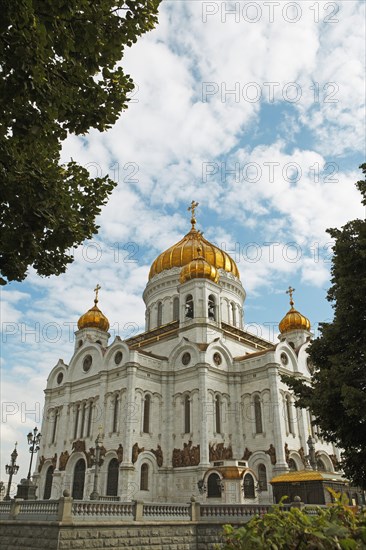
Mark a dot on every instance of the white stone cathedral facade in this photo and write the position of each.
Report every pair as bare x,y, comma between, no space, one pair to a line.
192,406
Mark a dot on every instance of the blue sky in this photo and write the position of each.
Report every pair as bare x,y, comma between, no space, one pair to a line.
261,120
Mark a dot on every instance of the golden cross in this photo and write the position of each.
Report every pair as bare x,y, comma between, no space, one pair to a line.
290,291
192,208
96,290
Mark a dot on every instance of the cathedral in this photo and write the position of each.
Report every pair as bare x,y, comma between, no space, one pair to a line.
193,406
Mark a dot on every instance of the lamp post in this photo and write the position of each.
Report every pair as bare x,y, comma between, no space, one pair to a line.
11,469
34,440
26,487
98,447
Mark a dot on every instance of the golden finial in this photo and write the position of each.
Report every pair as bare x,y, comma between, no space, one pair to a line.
192,209
290,291
96,290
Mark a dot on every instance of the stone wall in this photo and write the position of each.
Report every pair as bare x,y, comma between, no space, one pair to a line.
154,536
28,536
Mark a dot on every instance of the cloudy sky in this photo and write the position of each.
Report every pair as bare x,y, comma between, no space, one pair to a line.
253,109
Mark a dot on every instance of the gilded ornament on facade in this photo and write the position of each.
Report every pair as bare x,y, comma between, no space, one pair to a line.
119,452
136,450
217,451
272,454
188,456
247,454
159,455
64,457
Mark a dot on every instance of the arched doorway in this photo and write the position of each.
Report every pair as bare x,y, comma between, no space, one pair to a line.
48,483
79,480
214,486
112,479
249,491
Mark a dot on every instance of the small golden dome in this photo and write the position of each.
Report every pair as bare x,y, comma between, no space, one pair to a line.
94,318
293,320
198,268
183,252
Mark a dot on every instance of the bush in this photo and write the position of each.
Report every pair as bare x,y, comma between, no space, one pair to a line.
334,527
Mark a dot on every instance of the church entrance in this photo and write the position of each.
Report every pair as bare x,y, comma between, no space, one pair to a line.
79,480
112,479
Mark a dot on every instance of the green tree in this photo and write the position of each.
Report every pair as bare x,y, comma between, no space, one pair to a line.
324,529
337,393
59,75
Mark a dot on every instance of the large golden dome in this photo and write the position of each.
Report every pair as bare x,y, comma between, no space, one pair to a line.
94,318
183,252
293,320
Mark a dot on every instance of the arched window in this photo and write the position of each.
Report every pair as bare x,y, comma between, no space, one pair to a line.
187,415
214,486
146,423
160,314
321,465
292,465
176,309
79,480
144,478
83,411
211,308
218,414
189,307
115,413
112,479
248,485
77,412
262,477
90,415
290,423
148,319
55,421
258,415
233,313
48,484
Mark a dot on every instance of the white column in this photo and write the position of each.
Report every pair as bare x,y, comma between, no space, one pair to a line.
204,413
278,433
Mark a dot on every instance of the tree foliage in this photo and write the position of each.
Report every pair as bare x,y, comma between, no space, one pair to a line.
325,529
59,75
337,393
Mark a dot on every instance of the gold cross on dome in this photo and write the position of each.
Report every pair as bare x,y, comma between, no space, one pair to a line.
290,291
192,209
96,290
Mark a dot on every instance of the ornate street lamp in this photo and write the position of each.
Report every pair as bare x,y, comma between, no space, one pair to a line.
34,440
26,487
96,462
11,469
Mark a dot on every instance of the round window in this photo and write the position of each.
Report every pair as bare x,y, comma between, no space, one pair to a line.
59,378
87,363
284,359
217,359
118,357
186,357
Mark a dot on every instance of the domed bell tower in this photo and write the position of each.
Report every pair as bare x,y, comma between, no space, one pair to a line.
294,327
93,326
